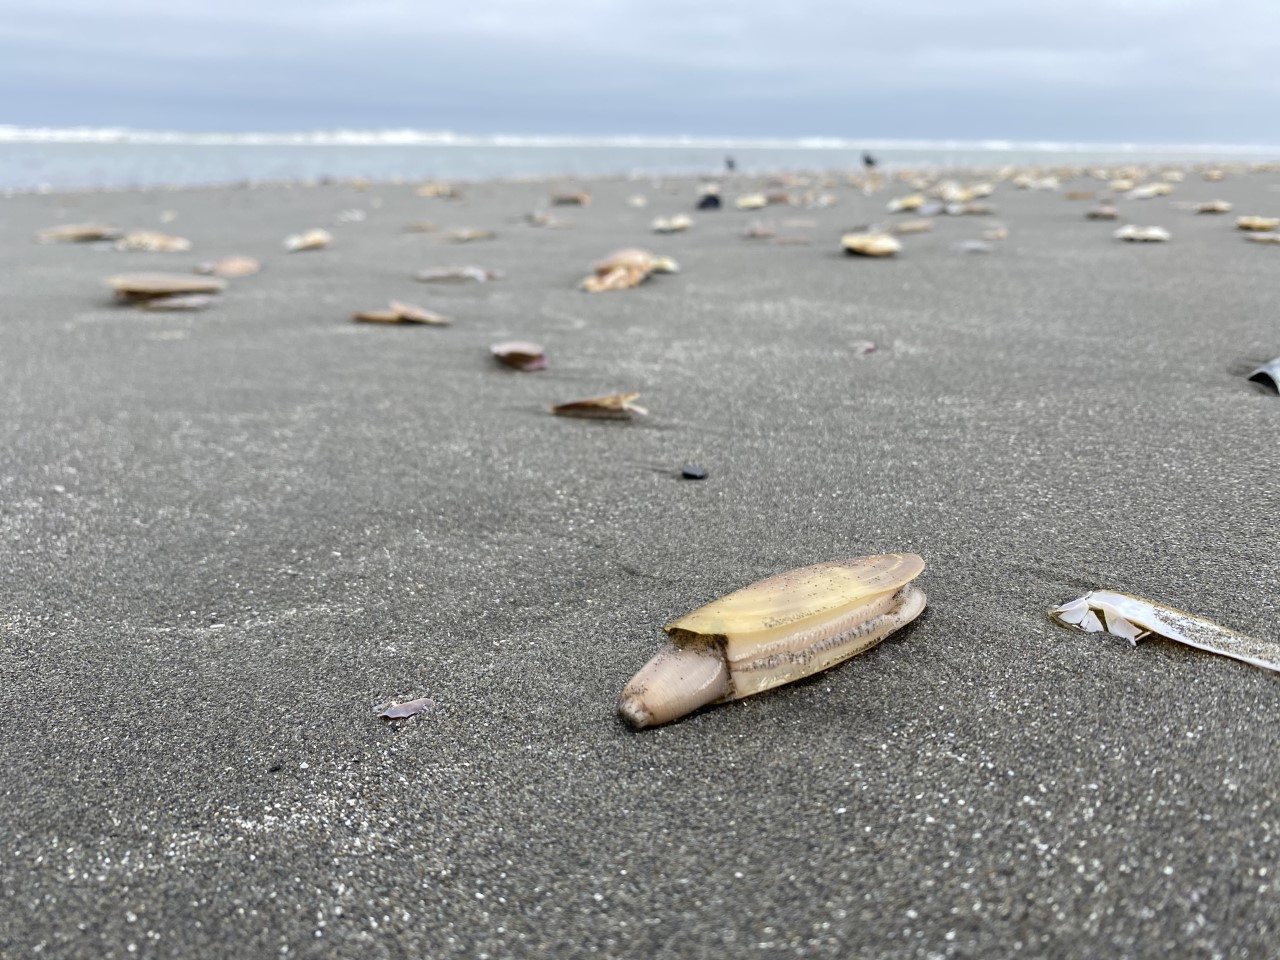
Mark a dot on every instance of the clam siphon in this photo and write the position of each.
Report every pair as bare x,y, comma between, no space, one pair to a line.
773,632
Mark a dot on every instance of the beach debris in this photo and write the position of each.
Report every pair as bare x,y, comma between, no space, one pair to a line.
153,241
674,224
1104,211
1214,176
1257,224
147,286
456,275
468,235
615,406
230,267
910,203
870,245
920,225
1268,375
434,189
1213,206
308,240
354,215
179,302
419,226
751,201
773,632
692,471
861,348
397,312
403,711
1133,618
626,268
1149,191
1266,237
578,198
78,233
759,230
1135,234
1121,185
637,200
520,355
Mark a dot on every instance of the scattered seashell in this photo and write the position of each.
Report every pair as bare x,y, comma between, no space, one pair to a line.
437,190
153,241
419,226
676,224
1149,191
145,286
1103,212
1122,615
773,632
1121,185
751,201
230,267
520,355
691,471
616,406
1214,176
579,199
922,225
398,312
456,275
468,235
1213,206
969,210
412,708
1257,224
637,200
308,240
909,203
1135,234
353,215
861,348
1268,374
1266,237
179,302
78,233
870,244
626,268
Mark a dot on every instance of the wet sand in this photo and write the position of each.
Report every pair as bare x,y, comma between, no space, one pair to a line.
225,537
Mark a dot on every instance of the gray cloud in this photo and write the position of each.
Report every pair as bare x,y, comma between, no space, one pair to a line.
1171,70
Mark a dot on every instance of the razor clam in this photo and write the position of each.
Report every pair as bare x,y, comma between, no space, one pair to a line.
772,632
1122,615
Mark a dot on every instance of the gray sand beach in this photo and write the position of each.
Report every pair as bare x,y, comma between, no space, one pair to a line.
226,537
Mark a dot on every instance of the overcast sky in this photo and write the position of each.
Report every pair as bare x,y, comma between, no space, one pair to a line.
1099,70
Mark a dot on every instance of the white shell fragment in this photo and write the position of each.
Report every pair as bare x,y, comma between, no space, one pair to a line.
1122,615
1135,234
781,629
309,240
870,245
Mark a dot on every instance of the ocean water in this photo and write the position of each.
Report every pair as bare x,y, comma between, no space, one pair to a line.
51,159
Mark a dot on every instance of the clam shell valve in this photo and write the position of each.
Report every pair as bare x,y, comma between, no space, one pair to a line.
781,629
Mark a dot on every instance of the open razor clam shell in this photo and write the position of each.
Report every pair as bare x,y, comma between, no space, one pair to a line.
1122,615
774,632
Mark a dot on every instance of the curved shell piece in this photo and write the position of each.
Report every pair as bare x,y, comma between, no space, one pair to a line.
1123,615
775,631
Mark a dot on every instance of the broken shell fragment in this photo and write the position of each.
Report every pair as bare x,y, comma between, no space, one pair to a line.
437,190
1104,211
676,224
626,268
398,312
230,267
870,244
308,240
78,233
922,225
751,201
153,241
1257,224
911,202
1268,375
456,275
1122,615
773,632
615,406
403,711
578,198
145,286
1267,237
179,302
520,355
1213,206
1135,234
